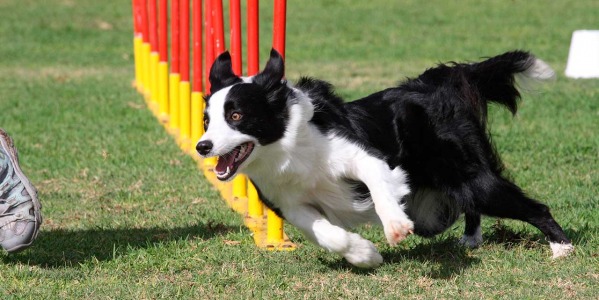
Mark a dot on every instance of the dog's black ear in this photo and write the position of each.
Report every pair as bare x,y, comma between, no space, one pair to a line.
221,73
271,77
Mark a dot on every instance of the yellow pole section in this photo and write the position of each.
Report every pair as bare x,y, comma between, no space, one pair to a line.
137,42
240,186
163,91
173,122
184,115
154,60
226,191
197,120
145,63
209,163
255,209
274,228
147,55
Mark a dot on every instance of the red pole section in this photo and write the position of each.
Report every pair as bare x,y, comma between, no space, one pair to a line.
143,7
279,26
175,37
235,21
197,45
184,67
163,30
253,37
219,27
209,41
135,11
152,10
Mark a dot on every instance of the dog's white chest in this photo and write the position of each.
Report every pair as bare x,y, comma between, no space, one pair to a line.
332,196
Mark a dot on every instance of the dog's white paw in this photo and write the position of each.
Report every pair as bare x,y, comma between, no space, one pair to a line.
561,250
396,231
472,241
362,253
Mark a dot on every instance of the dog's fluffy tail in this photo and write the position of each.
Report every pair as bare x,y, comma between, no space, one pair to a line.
491,80
495,78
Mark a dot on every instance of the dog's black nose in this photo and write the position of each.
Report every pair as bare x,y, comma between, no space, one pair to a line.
204,147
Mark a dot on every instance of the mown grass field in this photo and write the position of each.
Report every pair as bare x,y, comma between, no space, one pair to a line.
128,216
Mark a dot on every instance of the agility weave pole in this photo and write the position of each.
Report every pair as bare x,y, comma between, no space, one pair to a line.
178,103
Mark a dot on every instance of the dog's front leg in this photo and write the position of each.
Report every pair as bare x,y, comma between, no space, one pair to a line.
358,251
387,187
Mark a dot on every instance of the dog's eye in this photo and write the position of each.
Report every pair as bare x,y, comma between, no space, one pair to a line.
206,123
236,116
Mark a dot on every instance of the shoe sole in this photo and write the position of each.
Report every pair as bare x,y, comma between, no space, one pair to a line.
7,143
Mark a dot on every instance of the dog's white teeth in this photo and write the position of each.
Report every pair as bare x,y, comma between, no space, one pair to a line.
241,153
228,170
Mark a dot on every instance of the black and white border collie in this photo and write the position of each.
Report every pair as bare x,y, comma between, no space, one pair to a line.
412,158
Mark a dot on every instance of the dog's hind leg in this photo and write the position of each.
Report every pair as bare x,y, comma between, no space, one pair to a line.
472,237
506,200
357,250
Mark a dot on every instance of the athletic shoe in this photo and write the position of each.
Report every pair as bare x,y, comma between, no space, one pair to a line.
20,215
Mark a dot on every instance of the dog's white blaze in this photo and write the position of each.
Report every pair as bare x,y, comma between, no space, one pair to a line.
223,137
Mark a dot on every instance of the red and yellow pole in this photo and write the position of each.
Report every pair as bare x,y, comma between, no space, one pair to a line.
197,100
184,86
154,56
163,88
209,38
145,49
274,225
174,77
208,163
240,182
255,212
137,42
218,40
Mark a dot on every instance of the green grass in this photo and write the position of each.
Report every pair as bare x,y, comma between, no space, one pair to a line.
128,216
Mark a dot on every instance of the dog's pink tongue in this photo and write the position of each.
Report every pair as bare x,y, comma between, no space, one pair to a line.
225,161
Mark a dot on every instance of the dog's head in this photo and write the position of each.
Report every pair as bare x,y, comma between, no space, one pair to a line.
243,114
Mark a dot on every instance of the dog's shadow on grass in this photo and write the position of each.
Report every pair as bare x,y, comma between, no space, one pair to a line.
440,258
444,258
59,247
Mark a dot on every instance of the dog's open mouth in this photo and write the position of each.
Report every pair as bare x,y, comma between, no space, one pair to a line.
229,163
